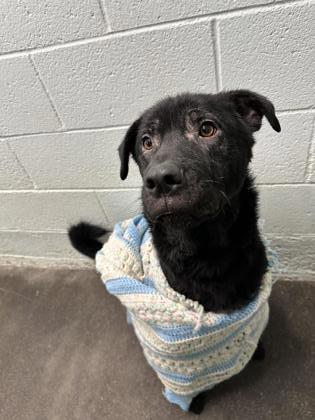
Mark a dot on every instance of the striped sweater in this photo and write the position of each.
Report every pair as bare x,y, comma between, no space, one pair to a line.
189,349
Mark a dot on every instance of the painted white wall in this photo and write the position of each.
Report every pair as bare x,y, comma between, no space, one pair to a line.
73,75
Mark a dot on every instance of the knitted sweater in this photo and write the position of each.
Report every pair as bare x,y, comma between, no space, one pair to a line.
189,349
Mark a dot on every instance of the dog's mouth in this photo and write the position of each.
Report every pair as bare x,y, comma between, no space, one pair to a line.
179,207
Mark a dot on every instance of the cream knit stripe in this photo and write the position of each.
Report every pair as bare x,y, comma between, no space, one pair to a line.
194,345
192,364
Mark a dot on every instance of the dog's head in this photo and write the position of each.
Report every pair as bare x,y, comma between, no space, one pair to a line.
193,151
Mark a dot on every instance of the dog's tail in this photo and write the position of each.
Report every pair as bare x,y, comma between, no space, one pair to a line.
84,238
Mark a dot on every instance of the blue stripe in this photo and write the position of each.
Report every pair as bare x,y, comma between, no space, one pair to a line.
146,237
134,234
128,285
183,356
172,334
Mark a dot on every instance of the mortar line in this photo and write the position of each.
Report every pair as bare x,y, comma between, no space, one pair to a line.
242,11
125,126
66,190
65,130
62,232
307,110
217,54
28,176
310,156
276,236
283,184
105,15
46,91
123,189
102,207
48,262
9,230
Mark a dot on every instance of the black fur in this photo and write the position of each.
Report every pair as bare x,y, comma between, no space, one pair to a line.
199,196
83,238
205,228
220,262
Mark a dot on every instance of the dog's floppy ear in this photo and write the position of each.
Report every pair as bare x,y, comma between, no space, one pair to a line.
127,147
252,107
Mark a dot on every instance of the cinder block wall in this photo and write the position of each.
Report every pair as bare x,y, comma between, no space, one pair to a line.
74,74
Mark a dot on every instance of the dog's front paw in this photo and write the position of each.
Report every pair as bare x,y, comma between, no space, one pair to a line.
198,403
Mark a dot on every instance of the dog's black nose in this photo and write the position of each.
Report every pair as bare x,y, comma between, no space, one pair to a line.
163,178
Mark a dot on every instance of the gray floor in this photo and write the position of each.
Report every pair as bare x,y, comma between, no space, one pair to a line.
67,353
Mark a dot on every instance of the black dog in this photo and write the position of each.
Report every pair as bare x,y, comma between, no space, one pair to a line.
193,153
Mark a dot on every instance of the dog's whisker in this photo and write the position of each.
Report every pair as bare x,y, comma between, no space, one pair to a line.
225,197
209,181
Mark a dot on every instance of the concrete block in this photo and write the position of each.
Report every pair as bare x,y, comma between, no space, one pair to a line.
32,24
120,205
312,168
311,164
282,157
24,106
48,211
75,160
110,82
12,175
134,13
296,253
46,245
288,209
270,52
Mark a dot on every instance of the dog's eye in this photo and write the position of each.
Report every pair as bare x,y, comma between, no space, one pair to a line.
207,129
147,142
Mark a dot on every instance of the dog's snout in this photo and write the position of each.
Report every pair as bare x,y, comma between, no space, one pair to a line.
163,178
